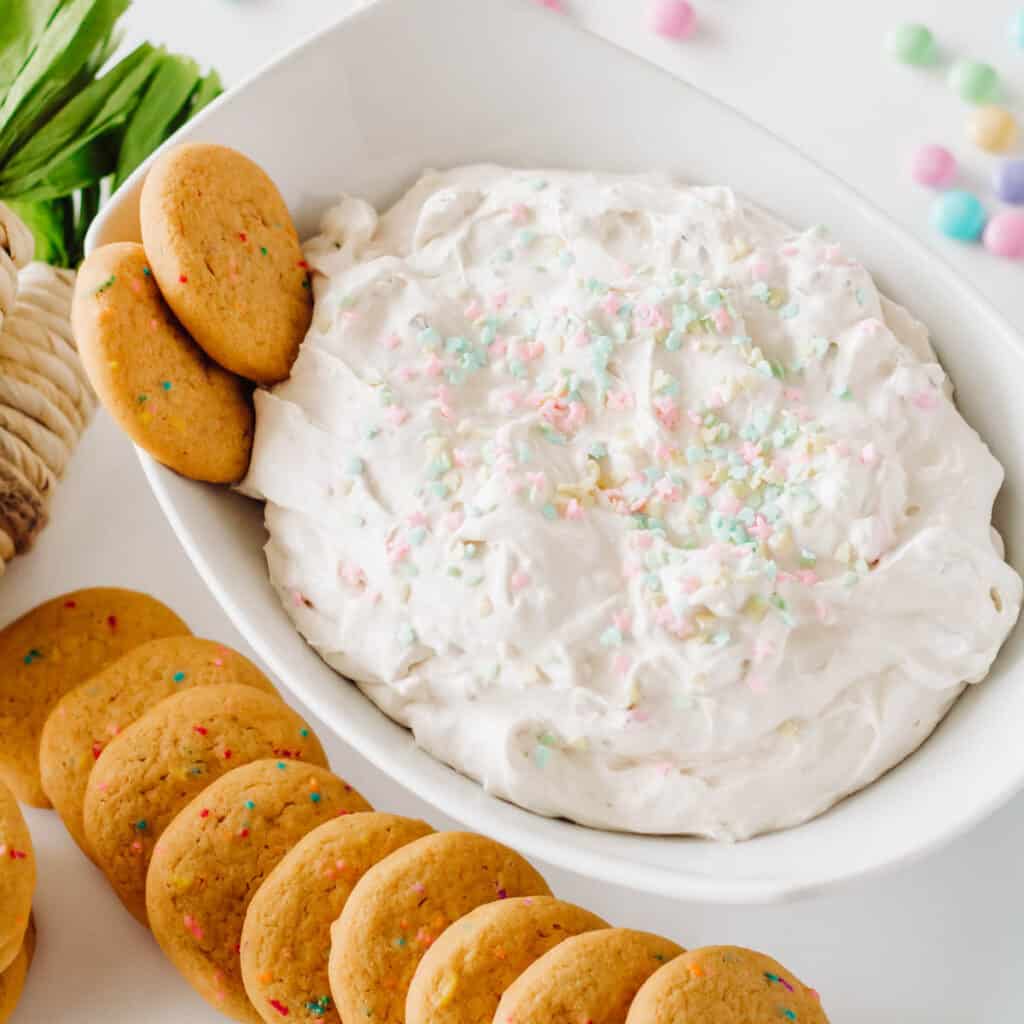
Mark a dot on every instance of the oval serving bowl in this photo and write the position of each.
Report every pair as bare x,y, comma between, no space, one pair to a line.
368,103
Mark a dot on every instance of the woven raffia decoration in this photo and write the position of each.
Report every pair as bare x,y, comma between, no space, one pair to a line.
45,399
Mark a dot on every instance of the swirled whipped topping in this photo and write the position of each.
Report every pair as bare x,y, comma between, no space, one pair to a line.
634,504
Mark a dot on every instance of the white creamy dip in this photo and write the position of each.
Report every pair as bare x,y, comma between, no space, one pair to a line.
631,502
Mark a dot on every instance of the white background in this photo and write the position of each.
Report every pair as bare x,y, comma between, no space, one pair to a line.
938,942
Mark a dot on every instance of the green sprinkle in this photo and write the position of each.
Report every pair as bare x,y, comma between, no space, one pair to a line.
598,450
400,942
263,249
250,804
789,1014
146,272
142,398
407,635
281,766
166,385
33,655
303,733
315,797
356,467
178,677
109,283
141,825
549,511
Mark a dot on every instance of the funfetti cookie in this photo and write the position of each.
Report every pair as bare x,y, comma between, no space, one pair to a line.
401,906
286,939
161,389
157,765
227,257
727,985
17,877
85,720
52,649
592,977
462,976
12,980
213,857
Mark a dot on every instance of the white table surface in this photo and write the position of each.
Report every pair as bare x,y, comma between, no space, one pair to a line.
937,942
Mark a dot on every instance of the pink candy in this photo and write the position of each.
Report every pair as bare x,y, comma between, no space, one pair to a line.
934,166
1004,235
674,19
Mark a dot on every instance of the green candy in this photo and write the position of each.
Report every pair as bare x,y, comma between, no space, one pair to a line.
911,44
974,82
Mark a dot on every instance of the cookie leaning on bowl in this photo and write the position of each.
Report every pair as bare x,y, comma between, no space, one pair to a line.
17,878
227,258
160,387
12,980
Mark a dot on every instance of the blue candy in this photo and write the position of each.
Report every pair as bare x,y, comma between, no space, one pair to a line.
1008,181
959,215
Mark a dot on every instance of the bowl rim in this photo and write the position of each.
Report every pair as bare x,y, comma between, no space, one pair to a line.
550,845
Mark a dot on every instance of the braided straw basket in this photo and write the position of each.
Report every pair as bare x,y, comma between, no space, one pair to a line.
45,399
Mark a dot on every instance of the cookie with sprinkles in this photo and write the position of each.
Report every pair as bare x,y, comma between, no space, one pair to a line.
17,877
52,649
148,773
726,984
286,939
213,858
591,977
85,720
12,980
227,257
401,906
159,386
462,976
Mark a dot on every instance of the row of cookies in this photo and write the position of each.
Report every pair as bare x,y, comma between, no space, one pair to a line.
45,400
175,332
273,886
17,886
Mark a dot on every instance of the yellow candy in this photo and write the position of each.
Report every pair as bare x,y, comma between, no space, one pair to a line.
992,128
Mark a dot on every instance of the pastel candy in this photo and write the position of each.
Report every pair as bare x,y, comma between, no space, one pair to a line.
911,44
974,81
1008,181
992,128
934,166
959,215
675,19
1004,235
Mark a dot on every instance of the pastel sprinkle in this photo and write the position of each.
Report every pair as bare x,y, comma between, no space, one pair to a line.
314,797
911,43
105,285
178,677
250,804
674,19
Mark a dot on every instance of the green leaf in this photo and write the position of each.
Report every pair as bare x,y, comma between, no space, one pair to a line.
208,89
88,207
46,222
58,67
88,165
157,113
105,104
21,27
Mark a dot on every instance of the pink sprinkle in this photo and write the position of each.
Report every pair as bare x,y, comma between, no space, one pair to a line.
551,5
137,846
519,580
751,452
807,577
722,319
520,211
297,599
760,269
532,350
868,455
353,575
621,663
705,488
620,400
663,451
397,415
398,551
824,613
154,323
434,367
392,341
793,394
691,584
763,649
499,348
498,299
757,684
416,518
674,19
443,401
790,250
582,338
611,303
643,540
925,400
574,510
473,310
218,662
514,484
833,254
667,412
695,417
454,519
623,621
193,926
279,1006
667,491
729,505
349,316
406,374
761,528
137,286
418,887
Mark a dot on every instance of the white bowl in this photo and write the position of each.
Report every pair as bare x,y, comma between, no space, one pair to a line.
368,103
